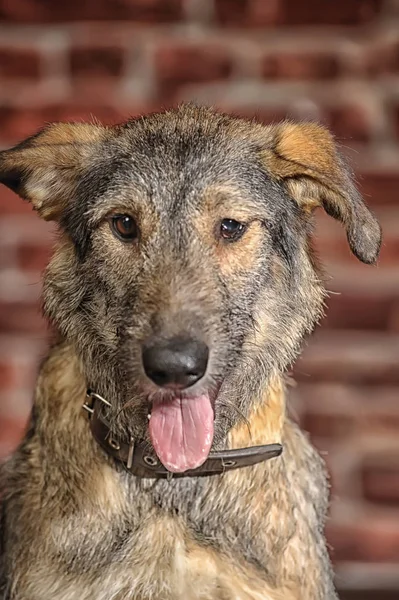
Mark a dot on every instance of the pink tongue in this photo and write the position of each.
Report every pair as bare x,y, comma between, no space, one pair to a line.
182,432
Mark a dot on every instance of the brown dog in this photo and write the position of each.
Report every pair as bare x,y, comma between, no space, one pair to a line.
180,291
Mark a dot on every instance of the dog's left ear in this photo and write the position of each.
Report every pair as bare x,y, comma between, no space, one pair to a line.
305,159
46,168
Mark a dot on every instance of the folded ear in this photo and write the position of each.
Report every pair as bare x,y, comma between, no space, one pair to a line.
46,167
305,158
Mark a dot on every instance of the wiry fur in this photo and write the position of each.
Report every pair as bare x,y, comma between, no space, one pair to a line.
75,526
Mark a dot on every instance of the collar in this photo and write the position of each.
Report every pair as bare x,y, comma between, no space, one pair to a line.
139,459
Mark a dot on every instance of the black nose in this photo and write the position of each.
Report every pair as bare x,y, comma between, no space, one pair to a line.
175,363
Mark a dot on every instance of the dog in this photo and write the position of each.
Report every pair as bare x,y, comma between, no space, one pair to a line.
159,462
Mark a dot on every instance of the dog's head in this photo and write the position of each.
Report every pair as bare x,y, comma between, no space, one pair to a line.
184,275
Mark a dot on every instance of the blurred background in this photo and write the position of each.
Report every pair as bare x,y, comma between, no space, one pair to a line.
336,61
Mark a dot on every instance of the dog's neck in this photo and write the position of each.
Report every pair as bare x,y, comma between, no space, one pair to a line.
139,459
265,421
62,389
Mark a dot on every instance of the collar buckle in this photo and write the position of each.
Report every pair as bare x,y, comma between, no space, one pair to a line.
91,398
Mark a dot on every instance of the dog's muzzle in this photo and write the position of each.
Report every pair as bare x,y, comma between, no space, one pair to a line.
139,459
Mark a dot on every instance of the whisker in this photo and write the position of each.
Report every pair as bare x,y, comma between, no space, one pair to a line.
231,405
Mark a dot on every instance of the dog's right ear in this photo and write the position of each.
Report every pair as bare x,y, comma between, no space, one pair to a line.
46,167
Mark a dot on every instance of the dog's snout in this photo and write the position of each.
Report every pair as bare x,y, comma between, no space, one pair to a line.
176,363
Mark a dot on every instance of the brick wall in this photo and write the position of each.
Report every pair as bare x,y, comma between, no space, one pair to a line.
332,60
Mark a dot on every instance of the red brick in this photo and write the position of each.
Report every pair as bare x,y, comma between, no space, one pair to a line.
352,279
336,249
350,122
232,12
382,420
380,478
247,12
359,311
18,123
372,410
23,287
258,13
11,433
33,257
300,66
97,61
15,373
368,541
384,59
328,410
377,590
19,63
107,114
313,12
324,424
21,318
7,375
11,204
394,318
389,254
380,187
350,356
19,360
46,11
378,411
25,230
179,65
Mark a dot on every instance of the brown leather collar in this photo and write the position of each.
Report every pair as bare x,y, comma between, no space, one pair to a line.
140,460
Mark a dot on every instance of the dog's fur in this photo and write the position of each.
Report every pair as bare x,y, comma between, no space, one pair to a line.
75,526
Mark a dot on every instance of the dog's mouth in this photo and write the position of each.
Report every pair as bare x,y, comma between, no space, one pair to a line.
181,430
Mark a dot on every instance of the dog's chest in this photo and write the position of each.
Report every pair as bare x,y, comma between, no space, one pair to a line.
228,538
174,568
158,553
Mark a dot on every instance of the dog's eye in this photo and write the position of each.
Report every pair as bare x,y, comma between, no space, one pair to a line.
124,227
231,230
